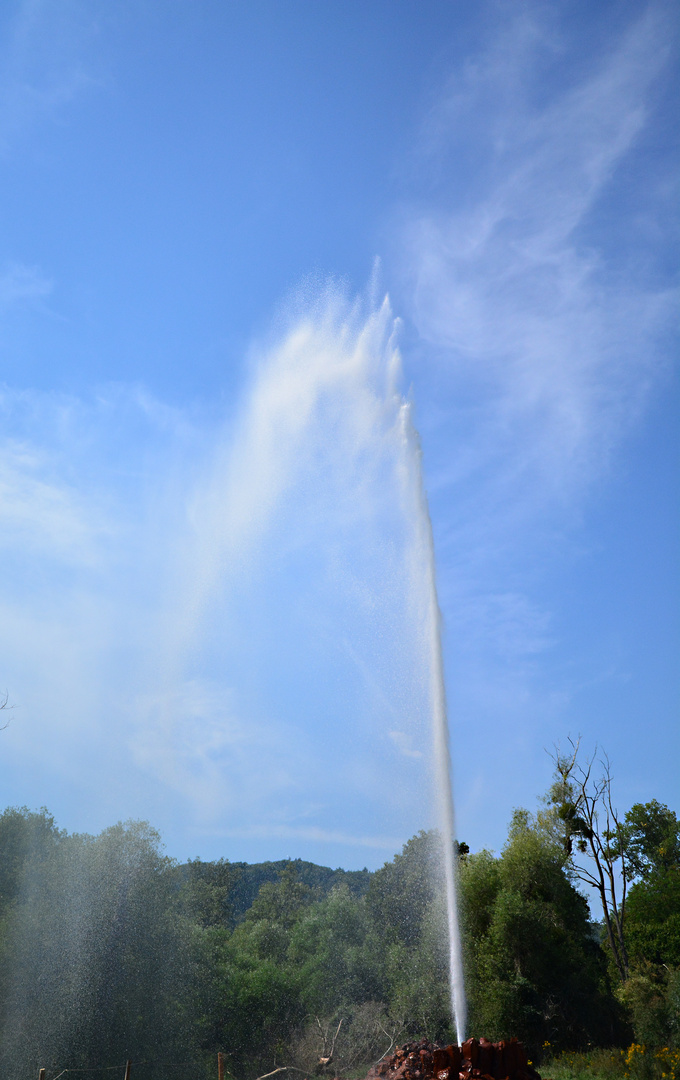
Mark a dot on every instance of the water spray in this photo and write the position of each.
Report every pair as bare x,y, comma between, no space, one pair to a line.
442,754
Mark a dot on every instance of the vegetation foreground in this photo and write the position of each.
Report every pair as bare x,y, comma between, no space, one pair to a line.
111,951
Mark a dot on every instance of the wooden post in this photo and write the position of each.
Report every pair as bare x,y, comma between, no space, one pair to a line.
41,1074
127,1070
220,1066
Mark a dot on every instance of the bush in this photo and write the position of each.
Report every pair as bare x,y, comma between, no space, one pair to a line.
596,1064
652,997
638,1062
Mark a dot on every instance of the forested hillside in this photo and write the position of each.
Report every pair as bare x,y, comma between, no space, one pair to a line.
110,950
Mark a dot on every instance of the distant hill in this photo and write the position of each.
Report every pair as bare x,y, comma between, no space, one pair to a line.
235,885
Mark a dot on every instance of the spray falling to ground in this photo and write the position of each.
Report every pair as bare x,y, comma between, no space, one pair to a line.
442,755
314,490
325,403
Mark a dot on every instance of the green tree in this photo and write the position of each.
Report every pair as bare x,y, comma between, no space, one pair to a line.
401,891
652,991
653,918
339,956
98,954
534,967
258,983
651,839
209,890
642,919
406,902
26,838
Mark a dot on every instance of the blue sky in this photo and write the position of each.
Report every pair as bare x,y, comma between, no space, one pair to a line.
208,577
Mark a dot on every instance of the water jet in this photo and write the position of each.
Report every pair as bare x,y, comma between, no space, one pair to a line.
440,730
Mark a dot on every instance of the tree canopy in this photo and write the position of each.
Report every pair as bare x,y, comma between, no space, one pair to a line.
111,950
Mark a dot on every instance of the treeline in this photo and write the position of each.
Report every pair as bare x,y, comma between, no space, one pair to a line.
110,950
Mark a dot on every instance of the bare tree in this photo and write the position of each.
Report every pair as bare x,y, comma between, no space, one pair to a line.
4,705
326,1055
594,837
365,1033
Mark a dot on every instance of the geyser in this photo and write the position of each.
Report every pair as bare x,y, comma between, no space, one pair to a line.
325,409
441,748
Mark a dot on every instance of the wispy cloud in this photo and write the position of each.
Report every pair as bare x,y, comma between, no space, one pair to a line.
545,335
558,332
42,66
221,764
331,837
178,597
531,266
40,513
19,282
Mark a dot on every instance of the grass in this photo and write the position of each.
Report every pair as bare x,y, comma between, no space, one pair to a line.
638,1062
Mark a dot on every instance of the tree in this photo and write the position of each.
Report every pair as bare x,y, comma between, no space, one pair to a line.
400,892
26,838
634,864
533,966
3,706
209,888
653,918
340,963
593,838
651,839
406,903
258,984
347,1042
98,962
652,992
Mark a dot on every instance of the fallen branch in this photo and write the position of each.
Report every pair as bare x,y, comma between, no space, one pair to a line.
281,1068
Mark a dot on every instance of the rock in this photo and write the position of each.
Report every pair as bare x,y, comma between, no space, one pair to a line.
474,1060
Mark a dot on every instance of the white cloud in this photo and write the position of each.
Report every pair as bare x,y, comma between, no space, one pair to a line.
120,663
219,763
531,264
543,335
40,512
42,65
332,837
559,341
19,282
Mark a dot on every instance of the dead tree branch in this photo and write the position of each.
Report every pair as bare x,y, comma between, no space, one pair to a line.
592,826
326,1057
